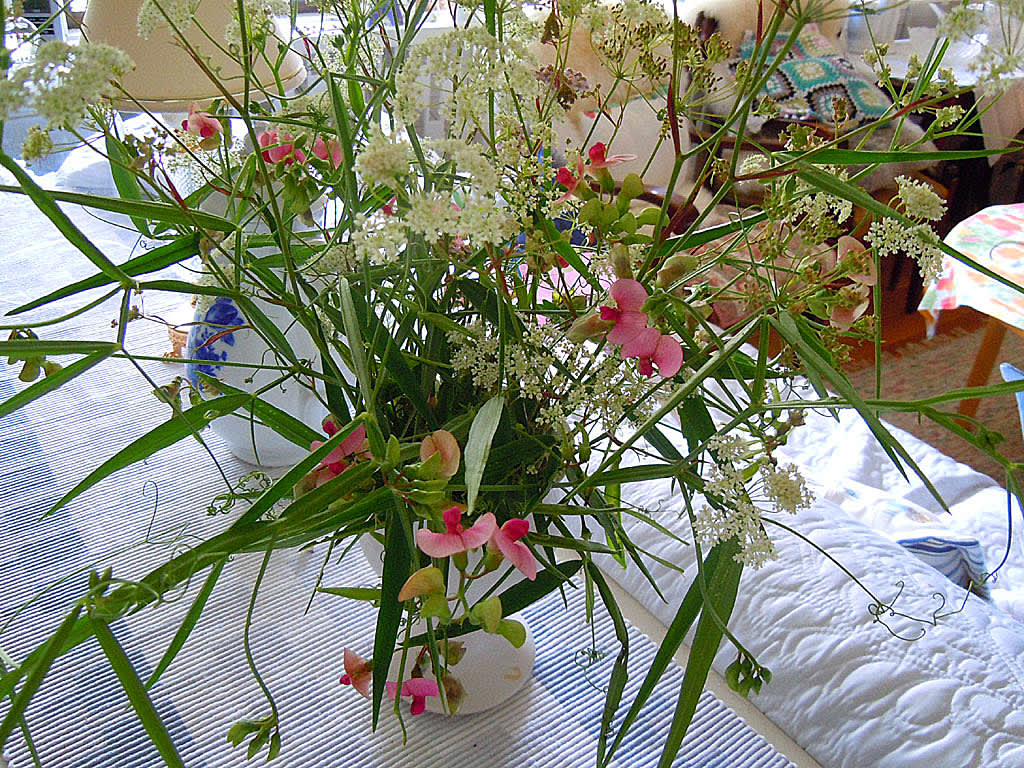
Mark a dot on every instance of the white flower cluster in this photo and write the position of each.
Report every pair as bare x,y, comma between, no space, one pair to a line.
920,201
889,236
383,160
154,14
1002,53
735,512
378,239
259,18
571,383
475,66
433,215
63,81
469,160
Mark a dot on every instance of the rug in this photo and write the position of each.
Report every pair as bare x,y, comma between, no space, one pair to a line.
930,367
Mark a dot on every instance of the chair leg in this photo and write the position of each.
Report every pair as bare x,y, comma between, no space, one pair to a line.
984,362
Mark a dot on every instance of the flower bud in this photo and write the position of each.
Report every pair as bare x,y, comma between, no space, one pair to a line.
444,443
674,268
426,581
590,326
621,261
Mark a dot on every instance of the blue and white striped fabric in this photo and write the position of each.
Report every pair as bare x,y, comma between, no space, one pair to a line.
144,514
958,558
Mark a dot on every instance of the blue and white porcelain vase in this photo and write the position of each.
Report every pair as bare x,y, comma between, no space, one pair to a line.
221,334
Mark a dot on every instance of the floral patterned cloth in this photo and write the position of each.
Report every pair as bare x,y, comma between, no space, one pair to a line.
994,238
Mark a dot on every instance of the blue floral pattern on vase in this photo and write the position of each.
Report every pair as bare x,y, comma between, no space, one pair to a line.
208,341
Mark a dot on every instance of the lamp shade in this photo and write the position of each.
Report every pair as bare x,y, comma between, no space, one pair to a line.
166,78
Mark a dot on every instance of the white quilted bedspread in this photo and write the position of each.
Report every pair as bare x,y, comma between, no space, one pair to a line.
844,687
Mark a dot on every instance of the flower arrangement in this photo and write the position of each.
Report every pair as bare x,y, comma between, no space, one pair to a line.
508,327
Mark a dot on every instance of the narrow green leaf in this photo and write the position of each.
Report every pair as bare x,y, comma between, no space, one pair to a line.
267,327
156,259
54,380
125,182
397,562
721,595
478,446
835,156
34,674
567,542
353,593
282,422
355,341
188,624
620,672
685,615
137,695
171,431
17,347
154,211
45,202
79,632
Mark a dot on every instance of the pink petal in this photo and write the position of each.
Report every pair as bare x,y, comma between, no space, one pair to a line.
420,686
418,706
453,520
518,554
392,688
629,294
642,344
356,671
439,544
668,356
354,441
627,327
320,148
480,533
516,528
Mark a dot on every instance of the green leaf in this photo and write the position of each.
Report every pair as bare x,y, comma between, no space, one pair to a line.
478,446
355,341
722,586
397,562
171,431
620,672
486,614
353,593
156,259
188,624
154,211
17,348
125,181
282,422
34,669
513,631
137,695
267,327
54,380
685,615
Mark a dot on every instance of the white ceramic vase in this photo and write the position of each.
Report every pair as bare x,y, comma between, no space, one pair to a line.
492,669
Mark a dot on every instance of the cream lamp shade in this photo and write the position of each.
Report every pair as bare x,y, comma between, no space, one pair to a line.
165,78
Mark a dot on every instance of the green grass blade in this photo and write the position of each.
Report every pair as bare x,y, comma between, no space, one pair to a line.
721,595
137,695
154,211
17,347
171,431
478,446
187,625
355,342
56,379
397,566
125,181
34,674
620,672
282,422
45,202
160,257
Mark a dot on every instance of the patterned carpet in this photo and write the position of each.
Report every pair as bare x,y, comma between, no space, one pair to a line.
929,367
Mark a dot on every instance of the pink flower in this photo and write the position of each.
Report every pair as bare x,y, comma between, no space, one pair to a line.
629,321
506,540
851,248
328,150
277,149
564,177
335,462
201,124
418,688
598,159
456,539
442,441
358,672
651,346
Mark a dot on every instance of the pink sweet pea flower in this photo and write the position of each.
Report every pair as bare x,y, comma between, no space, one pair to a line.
564,177
456,539
201,124
598,159
418,688
358,672
336,461
665,352
629,321
328,150
506,540
849,247
277,149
